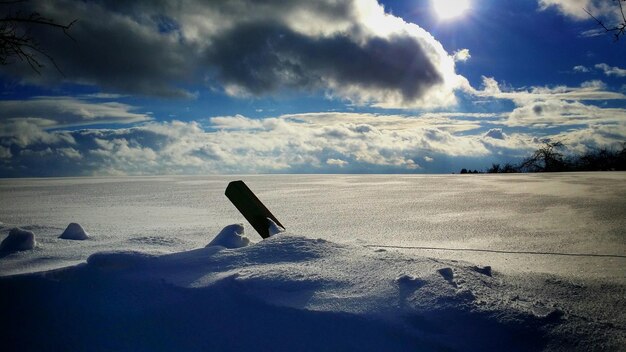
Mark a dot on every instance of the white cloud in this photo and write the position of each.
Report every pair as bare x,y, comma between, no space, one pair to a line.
588,91
289,143
70,153
595,84
41,154
581,68
576,8
558,113
553,108
461,55
595,32
584,139
235,122
65,111
611,70
315,142
337,162
608,12
27,131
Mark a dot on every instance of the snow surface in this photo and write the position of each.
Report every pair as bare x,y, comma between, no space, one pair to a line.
478,263
74,231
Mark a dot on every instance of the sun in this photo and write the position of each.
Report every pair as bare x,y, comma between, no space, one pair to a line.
448,9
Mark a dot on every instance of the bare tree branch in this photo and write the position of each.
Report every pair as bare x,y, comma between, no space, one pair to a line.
17,42
619,29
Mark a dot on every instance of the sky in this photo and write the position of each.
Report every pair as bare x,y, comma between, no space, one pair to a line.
156,87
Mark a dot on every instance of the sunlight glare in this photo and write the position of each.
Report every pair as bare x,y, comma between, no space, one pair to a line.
448,9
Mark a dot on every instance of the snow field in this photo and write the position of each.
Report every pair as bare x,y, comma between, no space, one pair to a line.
551,276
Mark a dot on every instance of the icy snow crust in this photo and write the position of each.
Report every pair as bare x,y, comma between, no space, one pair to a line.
284,293
551,277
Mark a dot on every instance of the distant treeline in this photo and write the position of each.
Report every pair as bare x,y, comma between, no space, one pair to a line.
549,158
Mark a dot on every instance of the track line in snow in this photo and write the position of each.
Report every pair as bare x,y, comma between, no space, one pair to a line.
498,251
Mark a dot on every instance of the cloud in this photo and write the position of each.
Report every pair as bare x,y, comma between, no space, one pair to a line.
611,70
461,55
238,122
559,113
28,131
309,143
337,162
595,32
5,153
543,110
496,133
588,91
65,111
352,50
592,137
581,68
290,143
576,8
608,12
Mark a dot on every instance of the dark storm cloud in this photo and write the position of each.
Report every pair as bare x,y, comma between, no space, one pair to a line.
111,50
350,49
262,58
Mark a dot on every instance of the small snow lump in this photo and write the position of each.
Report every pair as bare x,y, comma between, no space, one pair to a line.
274,229
18,240
231,236
74,232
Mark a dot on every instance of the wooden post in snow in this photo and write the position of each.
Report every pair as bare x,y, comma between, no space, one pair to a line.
251,207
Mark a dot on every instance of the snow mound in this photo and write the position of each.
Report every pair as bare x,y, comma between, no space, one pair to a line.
18,240
274,229
426,303
283,293
231,236
74,232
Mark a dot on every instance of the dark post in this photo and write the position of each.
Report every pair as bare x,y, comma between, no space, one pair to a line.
250,207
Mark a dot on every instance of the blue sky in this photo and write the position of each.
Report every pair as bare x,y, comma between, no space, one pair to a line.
324,86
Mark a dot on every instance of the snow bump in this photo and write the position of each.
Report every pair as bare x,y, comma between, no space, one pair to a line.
18,240
74,232
231,236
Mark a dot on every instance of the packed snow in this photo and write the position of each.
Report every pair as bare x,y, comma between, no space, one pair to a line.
18,240
479,263
231,236
74,231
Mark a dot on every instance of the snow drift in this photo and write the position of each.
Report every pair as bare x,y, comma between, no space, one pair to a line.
283,293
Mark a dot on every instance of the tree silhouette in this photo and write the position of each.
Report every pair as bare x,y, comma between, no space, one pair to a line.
546,159
17,40
618,29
